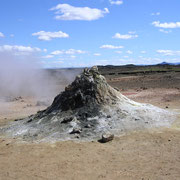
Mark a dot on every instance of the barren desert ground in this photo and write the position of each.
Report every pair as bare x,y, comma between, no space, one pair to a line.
149,155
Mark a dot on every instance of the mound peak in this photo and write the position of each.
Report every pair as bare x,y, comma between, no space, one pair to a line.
88,89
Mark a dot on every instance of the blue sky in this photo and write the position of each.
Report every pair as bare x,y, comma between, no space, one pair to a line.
79,33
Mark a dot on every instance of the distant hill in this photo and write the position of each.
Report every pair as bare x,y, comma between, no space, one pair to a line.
166,63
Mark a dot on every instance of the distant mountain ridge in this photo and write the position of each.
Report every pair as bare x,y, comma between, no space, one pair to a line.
166,63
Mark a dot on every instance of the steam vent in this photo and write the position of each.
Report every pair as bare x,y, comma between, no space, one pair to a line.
88,108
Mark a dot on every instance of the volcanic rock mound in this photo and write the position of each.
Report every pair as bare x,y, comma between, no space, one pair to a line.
86,109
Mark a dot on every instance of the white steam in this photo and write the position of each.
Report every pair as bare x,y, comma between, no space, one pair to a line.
22,76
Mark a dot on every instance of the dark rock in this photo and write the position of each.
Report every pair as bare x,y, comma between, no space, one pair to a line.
87,126
30,120
144,88
18,119
66,120
137,119
106,138
77,136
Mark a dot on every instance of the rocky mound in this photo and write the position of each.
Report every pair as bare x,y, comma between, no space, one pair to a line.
86,109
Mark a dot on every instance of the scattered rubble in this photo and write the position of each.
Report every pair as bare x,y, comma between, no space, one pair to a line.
13,99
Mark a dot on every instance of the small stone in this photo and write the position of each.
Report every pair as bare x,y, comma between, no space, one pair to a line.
87,126
106,138
77,137
66,120
29,121
136,119
18,119
76,131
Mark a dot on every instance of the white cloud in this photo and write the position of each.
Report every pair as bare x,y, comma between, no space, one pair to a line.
155,14
165,31
48,56
72,56
11,35
1,34
19,50
166,25
68,52
68,12
126,56
57,52
107,46
97,54
47,36
74,51
119,52
117,2
143,52
125,36
129,52
168,52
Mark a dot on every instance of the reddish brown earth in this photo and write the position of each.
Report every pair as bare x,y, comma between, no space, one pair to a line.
148,155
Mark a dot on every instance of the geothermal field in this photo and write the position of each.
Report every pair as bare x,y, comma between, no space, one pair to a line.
105,122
